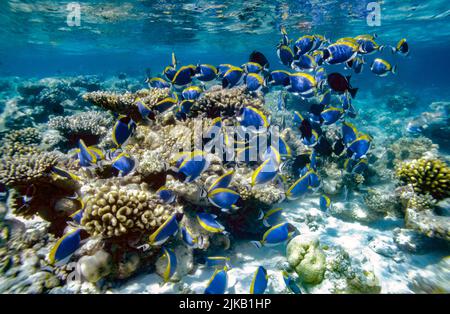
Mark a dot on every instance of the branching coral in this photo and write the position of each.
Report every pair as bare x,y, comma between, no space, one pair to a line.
21,142
115,211
26,169
427,176
89,126
125,103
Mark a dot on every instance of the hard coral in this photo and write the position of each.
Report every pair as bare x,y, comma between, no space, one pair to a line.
225,102
26,169
427,176
125,103
21,142
89,126
115,211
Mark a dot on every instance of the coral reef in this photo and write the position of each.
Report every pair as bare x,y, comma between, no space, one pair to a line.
307,259
22,260
125,103
94,267
21,142
427,176
426,221
26,169
407,148
115,211
89,126
52,197
219,102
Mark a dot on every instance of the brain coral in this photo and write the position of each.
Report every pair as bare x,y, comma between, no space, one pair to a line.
427,176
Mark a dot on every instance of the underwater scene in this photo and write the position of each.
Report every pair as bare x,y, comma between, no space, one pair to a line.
224,147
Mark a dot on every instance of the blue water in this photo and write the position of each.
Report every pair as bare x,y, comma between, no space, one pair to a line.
136,39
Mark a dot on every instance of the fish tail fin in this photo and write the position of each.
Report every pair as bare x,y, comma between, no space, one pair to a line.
394,70
353,92
381,48
393,50
261,215
258,244
266,224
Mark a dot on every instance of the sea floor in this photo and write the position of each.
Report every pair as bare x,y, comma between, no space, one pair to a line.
365,251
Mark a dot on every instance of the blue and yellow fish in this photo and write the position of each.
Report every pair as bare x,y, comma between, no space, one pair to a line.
65,174
223,181
166,103
279,77
166,195
78,215
223,68
171,266
265,173
368,45
144,110
302,83
206,72
305,63
271,217
209,223
224,198
254,82
215,261
124,163
360,146
165,231
259,281
278,234
401,48
299,187
232,77
65,247
123,129
189,239
252,67
361,166
252,117
304,45
184,75
191,92
218,282
331,115
157,82
381,67
341,52
86,156
325,203
285,55
349,132
192,166
290,283
169,72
